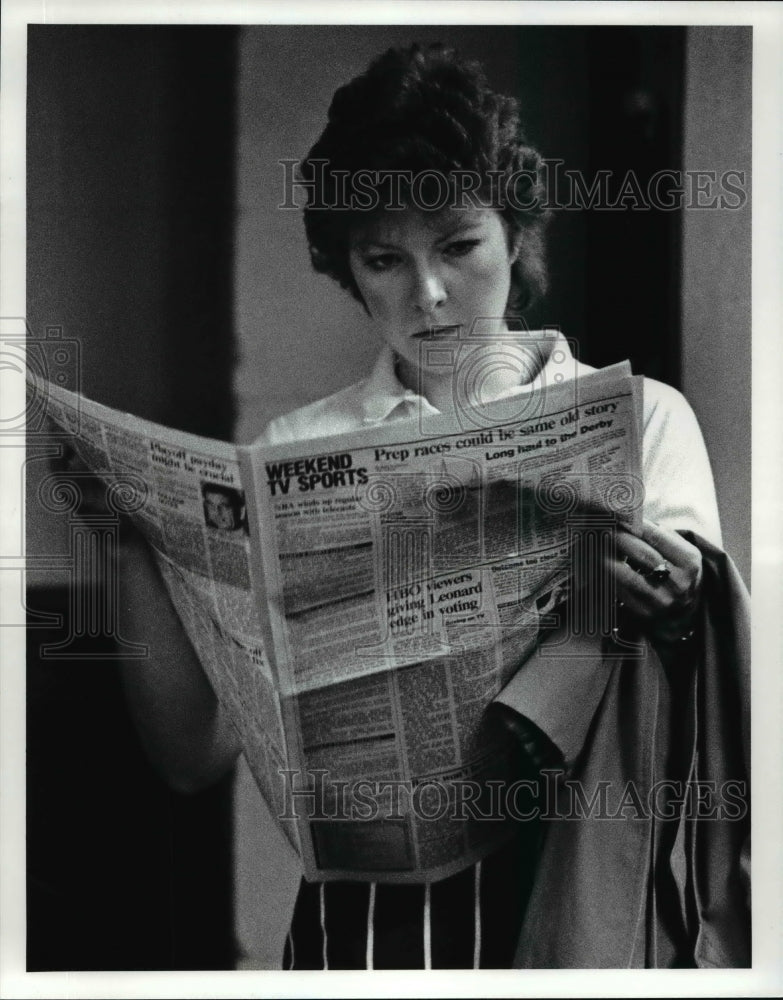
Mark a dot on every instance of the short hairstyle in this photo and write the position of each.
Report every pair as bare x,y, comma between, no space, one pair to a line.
234,496
418,110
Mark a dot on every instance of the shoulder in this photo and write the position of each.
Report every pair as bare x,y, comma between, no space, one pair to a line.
667,417
679,488
335,414
664,408
662,400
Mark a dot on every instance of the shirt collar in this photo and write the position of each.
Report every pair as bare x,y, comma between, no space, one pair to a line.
382,392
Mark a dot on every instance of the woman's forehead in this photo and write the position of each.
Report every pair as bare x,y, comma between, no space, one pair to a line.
411,223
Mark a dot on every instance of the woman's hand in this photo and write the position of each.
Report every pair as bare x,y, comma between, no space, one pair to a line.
658,581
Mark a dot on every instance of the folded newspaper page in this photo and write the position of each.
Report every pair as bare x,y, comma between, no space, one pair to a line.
358,601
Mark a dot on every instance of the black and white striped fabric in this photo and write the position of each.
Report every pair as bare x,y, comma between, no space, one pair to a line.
468,921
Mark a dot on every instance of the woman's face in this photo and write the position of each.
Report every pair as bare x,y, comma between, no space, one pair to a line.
220,513
418,271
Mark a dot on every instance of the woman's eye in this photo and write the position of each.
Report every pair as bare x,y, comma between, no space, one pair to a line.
380,262
461,247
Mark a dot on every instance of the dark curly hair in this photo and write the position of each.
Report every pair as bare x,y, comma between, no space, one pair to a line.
427,110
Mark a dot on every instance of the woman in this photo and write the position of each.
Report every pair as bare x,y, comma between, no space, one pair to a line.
424,203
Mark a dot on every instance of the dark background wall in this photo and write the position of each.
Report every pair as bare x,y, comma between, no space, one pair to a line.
130,221
130,189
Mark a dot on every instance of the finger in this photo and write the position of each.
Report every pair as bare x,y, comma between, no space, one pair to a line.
623,564
672,598
639,554
672,546
680,553
633,588
630,602
679,573
674,594
643,569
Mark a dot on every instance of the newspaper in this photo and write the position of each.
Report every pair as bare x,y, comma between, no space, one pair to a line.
358,601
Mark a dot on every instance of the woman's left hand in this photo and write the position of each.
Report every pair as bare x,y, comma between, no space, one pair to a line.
658,580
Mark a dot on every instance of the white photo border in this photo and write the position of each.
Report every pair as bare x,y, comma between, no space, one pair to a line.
766,976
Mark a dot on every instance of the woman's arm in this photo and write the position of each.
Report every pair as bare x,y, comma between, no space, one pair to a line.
183,729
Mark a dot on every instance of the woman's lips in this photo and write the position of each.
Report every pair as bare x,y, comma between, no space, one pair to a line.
438,331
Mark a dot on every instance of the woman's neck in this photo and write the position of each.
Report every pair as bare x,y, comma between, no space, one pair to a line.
436,388
495,381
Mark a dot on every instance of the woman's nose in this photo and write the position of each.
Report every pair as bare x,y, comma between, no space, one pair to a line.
429,291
